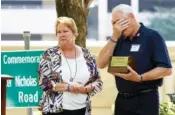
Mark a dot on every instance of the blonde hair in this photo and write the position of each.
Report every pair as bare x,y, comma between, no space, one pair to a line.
69,22
124,8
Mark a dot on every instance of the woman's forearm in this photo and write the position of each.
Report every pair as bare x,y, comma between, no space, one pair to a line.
60,87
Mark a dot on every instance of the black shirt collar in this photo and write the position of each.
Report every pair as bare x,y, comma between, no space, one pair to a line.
137,35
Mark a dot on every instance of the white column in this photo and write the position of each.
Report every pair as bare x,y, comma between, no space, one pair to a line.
169,84
135,6
102,19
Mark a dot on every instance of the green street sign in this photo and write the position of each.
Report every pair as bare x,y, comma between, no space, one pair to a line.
23,90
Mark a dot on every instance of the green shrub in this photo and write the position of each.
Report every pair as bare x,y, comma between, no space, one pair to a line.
172,97
167,108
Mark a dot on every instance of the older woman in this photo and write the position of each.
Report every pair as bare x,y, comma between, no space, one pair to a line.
68,74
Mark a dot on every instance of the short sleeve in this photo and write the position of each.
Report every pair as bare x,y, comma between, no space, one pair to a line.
160,52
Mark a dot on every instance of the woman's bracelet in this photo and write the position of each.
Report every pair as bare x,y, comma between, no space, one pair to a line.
68,88
53,86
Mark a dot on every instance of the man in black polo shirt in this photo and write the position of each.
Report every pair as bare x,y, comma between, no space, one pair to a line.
138,89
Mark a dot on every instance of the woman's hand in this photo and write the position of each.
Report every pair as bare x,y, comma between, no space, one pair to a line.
80,88
77,88
89,88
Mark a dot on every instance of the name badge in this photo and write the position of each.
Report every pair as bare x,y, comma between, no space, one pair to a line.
135,48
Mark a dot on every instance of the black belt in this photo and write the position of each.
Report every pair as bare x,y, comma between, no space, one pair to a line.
130,95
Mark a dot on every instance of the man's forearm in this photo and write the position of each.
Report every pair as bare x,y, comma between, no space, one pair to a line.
156,73
105,53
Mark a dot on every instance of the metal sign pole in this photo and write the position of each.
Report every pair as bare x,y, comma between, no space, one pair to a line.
26,36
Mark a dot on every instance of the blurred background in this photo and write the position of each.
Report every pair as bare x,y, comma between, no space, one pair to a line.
39,16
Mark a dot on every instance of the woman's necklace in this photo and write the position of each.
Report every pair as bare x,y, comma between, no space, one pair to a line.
71,77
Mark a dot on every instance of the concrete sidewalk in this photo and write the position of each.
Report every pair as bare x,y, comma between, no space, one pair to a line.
95,111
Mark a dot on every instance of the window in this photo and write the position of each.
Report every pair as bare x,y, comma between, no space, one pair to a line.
149,5
21,3
92,32
113,3
165,26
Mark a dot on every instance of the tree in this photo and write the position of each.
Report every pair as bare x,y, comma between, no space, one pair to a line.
78,10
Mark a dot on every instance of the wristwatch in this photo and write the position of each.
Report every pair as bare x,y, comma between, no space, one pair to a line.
141,78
